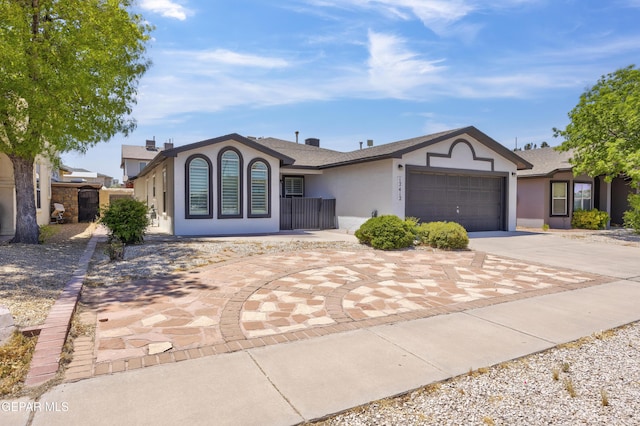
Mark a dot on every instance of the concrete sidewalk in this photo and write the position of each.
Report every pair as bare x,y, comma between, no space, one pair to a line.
295,382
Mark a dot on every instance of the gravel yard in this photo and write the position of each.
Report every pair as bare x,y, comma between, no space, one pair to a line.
32,276
595,381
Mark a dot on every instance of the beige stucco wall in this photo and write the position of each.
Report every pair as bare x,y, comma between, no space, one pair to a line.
359,190
8,199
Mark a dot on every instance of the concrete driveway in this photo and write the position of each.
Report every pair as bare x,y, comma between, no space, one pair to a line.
582,251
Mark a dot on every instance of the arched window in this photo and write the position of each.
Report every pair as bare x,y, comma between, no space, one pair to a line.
230,184
198,188
259,189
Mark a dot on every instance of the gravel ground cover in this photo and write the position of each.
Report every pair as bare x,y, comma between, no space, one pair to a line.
32,276
162,256
594,381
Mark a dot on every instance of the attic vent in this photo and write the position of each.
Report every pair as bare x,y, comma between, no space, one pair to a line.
369,143
168,145
151,145
312,141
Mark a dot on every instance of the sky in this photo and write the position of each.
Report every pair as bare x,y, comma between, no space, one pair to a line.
346,71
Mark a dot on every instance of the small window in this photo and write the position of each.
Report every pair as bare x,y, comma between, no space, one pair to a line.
229,166
559,199
38,188
142,165
259,195
582,196
154,186
294,186
198,194
164,190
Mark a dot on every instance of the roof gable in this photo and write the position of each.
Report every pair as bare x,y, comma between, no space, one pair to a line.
399,148
173,152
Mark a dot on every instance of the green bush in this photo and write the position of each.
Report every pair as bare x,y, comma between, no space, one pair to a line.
126,219
589,219
46,232
443,235
386,232
632,217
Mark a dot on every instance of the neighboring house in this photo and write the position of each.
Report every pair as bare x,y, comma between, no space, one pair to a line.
134,159
549,193
78,175
42,190
238,185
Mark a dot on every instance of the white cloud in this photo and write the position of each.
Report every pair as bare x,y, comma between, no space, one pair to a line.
166,8
394,69
228,57
440,16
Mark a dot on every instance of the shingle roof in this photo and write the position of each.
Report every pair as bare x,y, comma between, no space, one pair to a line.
299,155
304,155
310,156
545,161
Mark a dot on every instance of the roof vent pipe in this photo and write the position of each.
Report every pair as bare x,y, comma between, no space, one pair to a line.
297,133
361,144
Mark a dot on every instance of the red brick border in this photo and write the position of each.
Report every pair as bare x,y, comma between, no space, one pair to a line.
46,356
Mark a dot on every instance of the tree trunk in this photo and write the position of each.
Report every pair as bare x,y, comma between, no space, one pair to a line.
27,229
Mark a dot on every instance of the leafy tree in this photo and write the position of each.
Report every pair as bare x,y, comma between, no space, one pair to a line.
544,144
604,132
69,73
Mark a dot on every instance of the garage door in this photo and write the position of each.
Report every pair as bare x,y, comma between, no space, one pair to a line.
475,202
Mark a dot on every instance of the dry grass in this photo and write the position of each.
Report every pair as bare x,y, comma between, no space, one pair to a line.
15,358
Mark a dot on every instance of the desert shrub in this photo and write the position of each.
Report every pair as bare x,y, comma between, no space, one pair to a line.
126,220
46,232
632,216
589,219
386,232
443,235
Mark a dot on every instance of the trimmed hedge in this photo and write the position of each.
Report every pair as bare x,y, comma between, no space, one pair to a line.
589,219
443,235
386,232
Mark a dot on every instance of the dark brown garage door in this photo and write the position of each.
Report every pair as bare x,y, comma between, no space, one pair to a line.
475,202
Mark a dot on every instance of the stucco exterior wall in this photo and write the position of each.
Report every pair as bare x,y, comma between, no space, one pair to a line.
8,197
359,190
216,226
531,207
534,200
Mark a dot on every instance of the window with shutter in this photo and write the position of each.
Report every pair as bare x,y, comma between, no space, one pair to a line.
230,164
259,202
198,187
294,186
